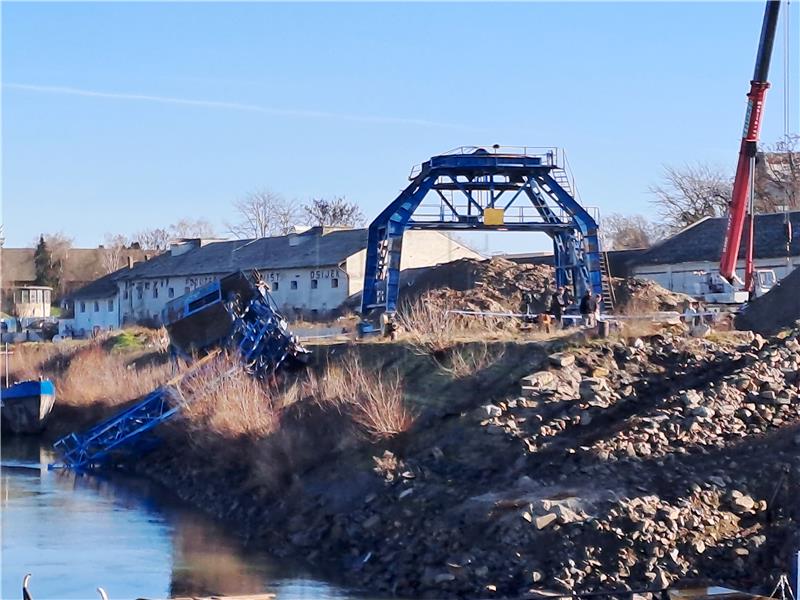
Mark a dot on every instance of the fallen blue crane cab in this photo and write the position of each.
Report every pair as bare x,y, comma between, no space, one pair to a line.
236,313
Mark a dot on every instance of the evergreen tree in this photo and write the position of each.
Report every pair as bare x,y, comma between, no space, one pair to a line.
46,270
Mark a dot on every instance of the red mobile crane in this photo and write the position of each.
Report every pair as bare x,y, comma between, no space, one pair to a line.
740,211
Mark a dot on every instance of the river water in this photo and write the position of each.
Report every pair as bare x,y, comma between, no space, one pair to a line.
74,533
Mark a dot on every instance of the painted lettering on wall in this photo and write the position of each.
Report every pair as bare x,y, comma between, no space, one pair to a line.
196,282
324,274
271,276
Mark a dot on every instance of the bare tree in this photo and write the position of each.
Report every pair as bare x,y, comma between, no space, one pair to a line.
626,232
691,193
778,176
153,239
192,228
336,212
114,246
263,214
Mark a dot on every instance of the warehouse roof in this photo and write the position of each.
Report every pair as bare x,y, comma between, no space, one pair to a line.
105,287
703,240
316,246
80,264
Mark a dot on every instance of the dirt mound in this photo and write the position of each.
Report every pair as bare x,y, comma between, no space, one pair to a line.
642,295
775,310
496,284
499,285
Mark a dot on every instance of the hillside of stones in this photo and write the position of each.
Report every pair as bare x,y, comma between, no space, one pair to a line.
569,465
637,465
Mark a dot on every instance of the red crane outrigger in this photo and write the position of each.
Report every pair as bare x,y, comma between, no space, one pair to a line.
740,209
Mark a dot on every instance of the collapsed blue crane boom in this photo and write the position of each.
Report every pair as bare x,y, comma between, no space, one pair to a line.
236,312
500,189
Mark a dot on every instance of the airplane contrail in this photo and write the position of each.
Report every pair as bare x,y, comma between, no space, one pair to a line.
239,106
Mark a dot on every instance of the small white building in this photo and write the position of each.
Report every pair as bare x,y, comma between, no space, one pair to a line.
92,308
311,273
31,301
674,262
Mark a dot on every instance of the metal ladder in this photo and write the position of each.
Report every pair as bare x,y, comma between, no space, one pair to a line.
563,179
608,290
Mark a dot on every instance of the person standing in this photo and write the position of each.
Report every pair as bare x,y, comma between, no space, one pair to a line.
557,306
587,308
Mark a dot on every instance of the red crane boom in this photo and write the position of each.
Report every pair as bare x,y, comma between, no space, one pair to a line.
739,211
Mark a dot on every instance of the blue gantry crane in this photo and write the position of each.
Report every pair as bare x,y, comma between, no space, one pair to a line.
236,312
491,189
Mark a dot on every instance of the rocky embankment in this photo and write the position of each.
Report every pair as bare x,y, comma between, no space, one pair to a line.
638,464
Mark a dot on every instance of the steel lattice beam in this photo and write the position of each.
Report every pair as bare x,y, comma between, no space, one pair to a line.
538,186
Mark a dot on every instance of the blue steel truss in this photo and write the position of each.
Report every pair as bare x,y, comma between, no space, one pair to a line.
529,189
236,312
80,451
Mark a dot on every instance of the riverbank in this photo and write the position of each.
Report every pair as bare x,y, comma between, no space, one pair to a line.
512,467
129,535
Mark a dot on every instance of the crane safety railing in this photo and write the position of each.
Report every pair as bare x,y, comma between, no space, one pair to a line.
551,156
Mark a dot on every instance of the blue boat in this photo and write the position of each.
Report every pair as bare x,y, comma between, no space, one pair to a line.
25,406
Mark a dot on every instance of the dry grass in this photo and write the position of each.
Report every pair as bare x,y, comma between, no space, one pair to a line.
227,402
87,373
372,399
430,330
100,376
26,360
468,360
427,327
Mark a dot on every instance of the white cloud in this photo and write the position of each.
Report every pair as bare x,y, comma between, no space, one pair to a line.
237,106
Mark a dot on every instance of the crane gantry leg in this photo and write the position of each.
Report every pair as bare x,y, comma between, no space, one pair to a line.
472,187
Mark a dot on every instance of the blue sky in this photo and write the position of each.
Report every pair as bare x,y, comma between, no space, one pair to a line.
122,116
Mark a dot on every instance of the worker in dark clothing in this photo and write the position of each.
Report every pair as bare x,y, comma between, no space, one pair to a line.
557,306
588,306
527,303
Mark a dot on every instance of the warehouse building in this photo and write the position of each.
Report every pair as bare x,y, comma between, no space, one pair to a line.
311,273
674,262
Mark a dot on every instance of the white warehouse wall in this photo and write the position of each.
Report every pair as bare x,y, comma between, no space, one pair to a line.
679,277
95,312
420,249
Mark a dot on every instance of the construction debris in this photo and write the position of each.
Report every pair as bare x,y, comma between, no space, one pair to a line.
642,295
496,284
500,285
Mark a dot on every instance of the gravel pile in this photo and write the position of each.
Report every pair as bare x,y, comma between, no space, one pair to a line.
619,466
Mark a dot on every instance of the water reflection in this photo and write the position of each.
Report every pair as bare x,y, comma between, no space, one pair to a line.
127,535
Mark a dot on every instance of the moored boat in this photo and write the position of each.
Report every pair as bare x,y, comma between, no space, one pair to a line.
26,406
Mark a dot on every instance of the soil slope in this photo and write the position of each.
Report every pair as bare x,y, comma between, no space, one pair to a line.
604,465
